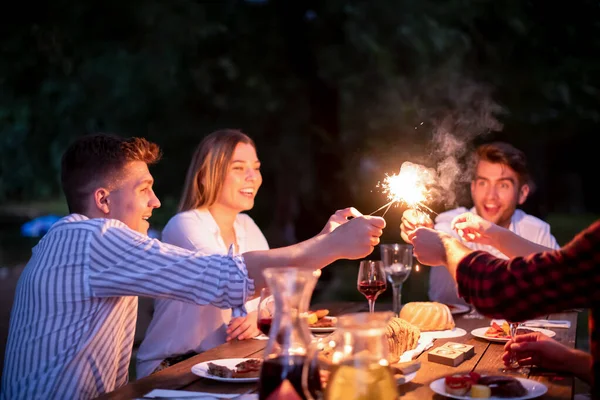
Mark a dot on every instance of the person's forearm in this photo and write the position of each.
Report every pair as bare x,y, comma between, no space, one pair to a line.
316,252
580,365
514,245
455,252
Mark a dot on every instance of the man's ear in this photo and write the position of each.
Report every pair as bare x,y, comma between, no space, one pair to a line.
523,193
101,200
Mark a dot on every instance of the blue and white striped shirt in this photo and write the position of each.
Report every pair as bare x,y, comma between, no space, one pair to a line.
73,320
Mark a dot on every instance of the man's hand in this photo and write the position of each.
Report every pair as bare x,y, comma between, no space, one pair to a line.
340,217
428,246
472,228
357,237
241,328
540,350
412,220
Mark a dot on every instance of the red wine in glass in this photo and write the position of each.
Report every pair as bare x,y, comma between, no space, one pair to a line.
371,281
264,325
275,370
371,289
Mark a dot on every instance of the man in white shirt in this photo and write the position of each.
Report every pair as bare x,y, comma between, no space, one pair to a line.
500,183
73,320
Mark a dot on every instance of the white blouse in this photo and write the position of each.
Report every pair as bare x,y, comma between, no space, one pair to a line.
177,327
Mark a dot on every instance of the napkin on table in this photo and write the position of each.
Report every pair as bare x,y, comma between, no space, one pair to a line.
423,344
183,394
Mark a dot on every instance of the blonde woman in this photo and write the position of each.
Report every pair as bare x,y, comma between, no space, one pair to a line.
222,182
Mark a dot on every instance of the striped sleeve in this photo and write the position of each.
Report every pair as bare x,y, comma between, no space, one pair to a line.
126,263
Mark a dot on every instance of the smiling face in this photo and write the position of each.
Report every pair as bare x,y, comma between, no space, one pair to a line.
496,192
242,180
133,200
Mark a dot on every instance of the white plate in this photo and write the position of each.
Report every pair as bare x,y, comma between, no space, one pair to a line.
409,377
456,309
534,389
201,369
480,333
448,333
324,329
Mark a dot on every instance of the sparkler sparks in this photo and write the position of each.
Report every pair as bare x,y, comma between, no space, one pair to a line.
411,186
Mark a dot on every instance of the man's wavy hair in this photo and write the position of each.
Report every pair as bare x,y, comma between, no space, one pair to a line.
97,160
507,154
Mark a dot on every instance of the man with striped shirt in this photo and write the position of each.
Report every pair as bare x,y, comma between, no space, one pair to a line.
74,316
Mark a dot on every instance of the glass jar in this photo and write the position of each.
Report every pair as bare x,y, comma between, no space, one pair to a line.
355,359
289,337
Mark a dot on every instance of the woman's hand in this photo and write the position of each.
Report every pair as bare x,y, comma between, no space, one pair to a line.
241,328
340,217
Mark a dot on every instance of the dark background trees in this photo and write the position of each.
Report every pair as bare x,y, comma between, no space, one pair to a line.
335,93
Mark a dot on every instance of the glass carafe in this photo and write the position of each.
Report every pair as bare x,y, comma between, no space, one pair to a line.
355,359
289,337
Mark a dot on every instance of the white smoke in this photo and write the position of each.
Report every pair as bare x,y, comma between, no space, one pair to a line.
468,112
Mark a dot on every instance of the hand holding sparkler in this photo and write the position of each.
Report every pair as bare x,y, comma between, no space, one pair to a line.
413,219
340,217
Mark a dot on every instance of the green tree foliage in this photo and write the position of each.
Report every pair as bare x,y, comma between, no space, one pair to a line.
334,92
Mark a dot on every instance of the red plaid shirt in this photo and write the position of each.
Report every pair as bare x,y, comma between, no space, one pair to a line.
526,287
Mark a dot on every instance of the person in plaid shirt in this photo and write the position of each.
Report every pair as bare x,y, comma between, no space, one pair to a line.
523,287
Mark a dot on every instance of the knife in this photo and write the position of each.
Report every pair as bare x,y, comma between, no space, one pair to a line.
547,323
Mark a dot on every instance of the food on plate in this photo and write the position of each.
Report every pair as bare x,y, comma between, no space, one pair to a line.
503,332
401,336
460,384
428,315
503,386
481,391
246,369
316,319
483,387
219,370
324,323
497,331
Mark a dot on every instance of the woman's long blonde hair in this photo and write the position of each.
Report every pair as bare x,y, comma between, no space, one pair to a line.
208,168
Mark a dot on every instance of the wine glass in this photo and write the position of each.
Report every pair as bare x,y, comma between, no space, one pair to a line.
371,281
265,311
398,261
514,367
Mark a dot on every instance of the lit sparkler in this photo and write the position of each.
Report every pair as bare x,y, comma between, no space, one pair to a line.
411,186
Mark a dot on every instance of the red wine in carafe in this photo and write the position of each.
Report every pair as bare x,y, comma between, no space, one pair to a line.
275,370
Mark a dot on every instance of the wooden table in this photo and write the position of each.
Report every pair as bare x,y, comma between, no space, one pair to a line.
486,361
